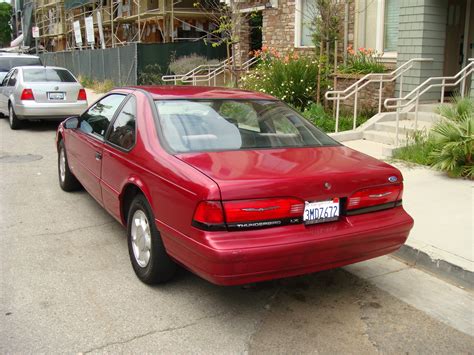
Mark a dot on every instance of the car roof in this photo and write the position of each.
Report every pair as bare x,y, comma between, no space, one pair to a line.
201,92
38,67
15,55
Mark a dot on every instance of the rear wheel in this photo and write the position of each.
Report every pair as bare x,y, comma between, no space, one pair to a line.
67,180
149,259
15,123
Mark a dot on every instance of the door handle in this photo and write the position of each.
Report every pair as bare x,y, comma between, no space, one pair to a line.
98,156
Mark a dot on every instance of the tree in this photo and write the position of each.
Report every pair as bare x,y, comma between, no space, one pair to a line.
5,29
228,20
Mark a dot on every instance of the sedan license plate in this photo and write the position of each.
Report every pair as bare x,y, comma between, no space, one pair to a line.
322,211
56,95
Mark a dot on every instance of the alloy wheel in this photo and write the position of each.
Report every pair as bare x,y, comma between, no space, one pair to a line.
141,238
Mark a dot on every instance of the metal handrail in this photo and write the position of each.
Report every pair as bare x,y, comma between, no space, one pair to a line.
193,77
180,77
414,95
338,95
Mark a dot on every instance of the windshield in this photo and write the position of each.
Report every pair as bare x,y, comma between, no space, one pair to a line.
6,63
43,75
209,125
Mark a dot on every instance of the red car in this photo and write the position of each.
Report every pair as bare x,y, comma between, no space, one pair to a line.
233,185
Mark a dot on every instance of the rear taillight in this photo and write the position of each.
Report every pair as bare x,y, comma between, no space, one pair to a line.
383,196
27,94
82,96
262,210
209,215
246,214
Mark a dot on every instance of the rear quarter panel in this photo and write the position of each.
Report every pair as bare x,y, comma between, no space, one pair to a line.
171,186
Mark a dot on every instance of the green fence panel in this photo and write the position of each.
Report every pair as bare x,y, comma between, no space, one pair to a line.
162,53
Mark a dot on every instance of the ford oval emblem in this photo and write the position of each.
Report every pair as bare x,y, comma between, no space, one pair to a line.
393,179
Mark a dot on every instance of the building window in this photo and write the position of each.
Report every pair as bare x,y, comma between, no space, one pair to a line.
305,14
391,20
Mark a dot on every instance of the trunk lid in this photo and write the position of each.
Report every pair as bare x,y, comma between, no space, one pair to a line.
41,91
311,174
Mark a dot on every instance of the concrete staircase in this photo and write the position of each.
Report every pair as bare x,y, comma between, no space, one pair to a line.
378,137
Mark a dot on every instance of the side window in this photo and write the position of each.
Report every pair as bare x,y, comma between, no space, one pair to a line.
97,118
123,129
12,81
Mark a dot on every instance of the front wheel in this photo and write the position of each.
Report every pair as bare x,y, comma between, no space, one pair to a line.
67,180
15,123
149,259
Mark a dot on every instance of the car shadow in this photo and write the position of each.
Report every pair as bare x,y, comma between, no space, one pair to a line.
40,126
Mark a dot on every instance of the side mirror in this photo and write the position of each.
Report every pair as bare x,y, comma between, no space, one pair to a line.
71,122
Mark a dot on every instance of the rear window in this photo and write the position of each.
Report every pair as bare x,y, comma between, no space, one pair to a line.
213,125
43,74
6,63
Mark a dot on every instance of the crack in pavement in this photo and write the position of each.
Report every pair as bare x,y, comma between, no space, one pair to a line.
66,231
151,332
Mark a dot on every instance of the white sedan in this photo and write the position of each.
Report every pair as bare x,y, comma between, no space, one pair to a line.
40,93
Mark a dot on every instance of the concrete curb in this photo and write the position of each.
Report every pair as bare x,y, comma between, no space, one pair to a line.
441,268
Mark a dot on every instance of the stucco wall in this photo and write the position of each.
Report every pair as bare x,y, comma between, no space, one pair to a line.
422,33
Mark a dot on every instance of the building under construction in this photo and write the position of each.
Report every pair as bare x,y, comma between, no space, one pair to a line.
77,24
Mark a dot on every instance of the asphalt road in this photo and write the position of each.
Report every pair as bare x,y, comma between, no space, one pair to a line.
67,286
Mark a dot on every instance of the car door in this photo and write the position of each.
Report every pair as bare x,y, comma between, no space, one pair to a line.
116,163
85,144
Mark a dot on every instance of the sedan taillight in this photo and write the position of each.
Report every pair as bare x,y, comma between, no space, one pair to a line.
379,196
82,96
248,214
27,94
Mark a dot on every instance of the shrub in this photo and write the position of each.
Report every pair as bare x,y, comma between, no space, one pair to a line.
454,139
362,61
291,78
150,75
96,85
449,146
185,64
316,114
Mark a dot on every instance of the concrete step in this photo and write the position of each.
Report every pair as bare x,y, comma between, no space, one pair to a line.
384,137
428,107
405,126
374,149
424,116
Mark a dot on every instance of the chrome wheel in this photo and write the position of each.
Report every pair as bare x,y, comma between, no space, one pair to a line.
141,238
62,165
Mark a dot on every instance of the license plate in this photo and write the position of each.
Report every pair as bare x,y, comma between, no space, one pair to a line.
322,211
56,95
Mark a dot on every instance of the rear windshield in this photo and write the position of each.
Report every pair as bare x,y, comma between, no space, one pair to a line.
42,75
210,125
6,63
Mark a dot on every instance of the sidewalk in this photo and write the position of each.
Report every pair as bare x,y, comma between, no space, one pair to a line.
442,239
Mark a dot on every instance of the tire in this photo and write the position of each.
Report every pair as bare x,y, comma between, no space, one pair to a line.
15,123
67,180
148,256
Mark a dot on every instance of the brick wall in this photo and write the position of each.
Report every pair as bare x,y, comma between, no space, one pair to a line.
368,97
278,27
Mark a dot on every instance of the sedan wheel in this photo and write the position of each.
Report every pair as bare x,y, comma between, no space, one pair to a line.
148,255
15,123
67,180
141,238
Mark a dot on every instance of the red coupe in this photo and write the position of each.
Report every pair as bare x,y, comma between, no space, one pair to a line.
233,185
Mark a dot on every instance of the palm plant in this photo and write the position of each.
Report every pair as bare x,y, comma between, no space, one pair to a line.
454,139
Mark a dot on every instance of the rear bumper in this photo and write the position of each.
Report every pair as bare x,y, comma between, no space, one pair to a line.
49,111
231,258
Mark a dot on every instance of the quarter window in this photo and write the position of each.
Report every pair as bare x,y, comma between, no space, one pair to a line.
96,119
122,133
